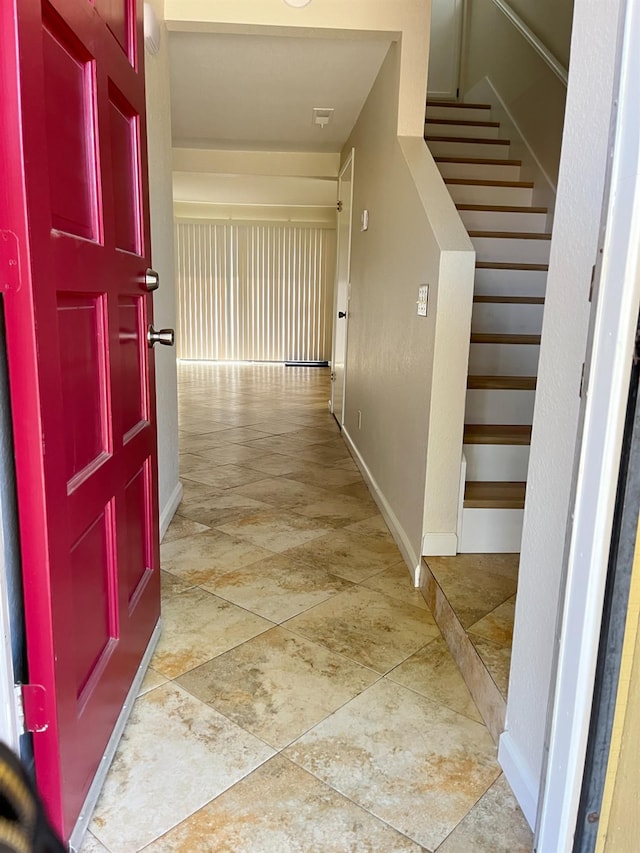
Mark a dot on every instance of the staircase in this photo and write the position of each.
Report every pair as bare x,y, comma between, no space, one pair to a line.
512,254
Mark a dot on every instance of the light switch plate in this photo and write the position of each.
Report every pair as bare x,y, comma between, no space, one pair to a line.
423,300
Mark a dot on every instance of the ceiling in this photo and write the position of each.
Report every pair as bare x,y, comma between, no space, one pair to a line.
258,92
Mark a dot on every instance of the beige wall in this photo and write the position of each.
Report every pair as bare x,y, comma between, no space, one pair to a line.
550,20
619,828
406,19
391,351
161,204
529,90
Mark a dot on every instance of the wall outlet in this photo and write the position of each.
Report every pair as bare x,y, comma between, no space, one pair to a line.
423,300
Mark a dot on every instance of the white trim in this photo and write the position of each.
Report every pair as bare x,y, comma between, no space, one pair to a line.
554,64
10,728
410,557
519,777
170,509
463,483
79,830
439,545
607,388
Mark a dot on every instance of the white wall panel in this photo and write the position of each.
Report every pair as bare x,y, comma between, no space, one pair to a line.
254,291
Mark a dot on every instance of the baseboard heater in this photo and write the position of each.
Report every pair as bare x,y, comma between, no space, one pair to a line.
306,364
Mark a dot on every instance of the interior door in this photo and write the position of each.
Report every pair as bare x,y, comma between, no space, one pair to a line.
341,298
74,247
445,48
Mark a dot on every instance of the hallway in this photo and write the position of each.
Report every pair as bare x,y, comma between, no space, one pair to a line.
301,697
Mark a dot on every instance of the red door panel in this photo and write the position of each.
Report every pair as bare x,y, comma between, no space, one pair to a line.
73,198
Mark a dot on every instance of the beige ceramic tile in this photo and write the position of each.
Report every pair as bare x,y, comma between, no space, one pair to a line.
189,462
223,476
494,825
190,443
282,492
324,476
338,510
411,762
497,660
280,808
278,685
280,444
172,585
497,626
374,527
433,673
90,844
396,582
229,454
276,531
277,588
326,453
181,527
192,491
203,558
272,464
470,588
176,754
368,627
227,505
240,435
152,679
197,626
349,555
359,491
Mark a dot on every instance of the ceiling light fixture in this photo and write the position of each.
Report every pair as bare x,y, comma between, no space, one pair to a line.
297,4
322,115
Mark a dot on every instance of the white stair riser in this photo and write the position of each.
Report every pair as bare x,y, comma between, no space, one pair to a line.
493,406
495,282
480,171
473,194
491,531
460,114
503,360
512,250
505,318
472,131
496,220
467,149
493,462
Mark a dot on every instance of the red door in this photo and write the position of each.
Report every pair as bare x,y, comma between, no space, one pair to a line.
74,247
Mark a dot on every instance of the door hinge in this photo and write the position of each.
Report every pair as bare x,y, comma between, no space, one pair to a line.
31,705
333,376
9,261
339,207
582,380
593,278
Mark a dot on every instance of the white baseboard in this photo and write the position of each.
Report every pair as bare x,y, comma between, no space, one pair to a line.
169,510
519,777
439,545
397,531
545,189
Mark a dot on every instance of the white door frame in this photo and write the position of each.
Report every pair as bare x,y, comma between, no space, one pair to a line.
349,162
606,389
452,54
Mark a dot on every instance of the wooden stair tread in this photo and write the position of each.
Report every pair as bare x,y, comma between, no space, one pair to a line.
479,182
478,161
459,104
473,139
520,340
500,265
511,235
510,300
501,208
519,434
494,495
501,383
462,122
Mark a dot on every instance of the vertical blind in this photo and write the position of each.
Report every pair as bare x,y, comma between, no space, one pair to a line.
254,291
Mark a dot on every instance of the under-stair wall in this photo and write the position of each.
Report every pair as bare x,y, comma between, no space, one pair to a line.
512,243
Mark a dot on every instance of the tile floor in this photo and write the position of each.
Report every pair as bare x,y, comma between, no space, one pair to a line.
301,698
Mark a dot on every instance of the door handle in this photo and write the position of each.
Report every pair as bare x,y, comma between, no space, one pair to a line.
151,280
342,314
166,337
